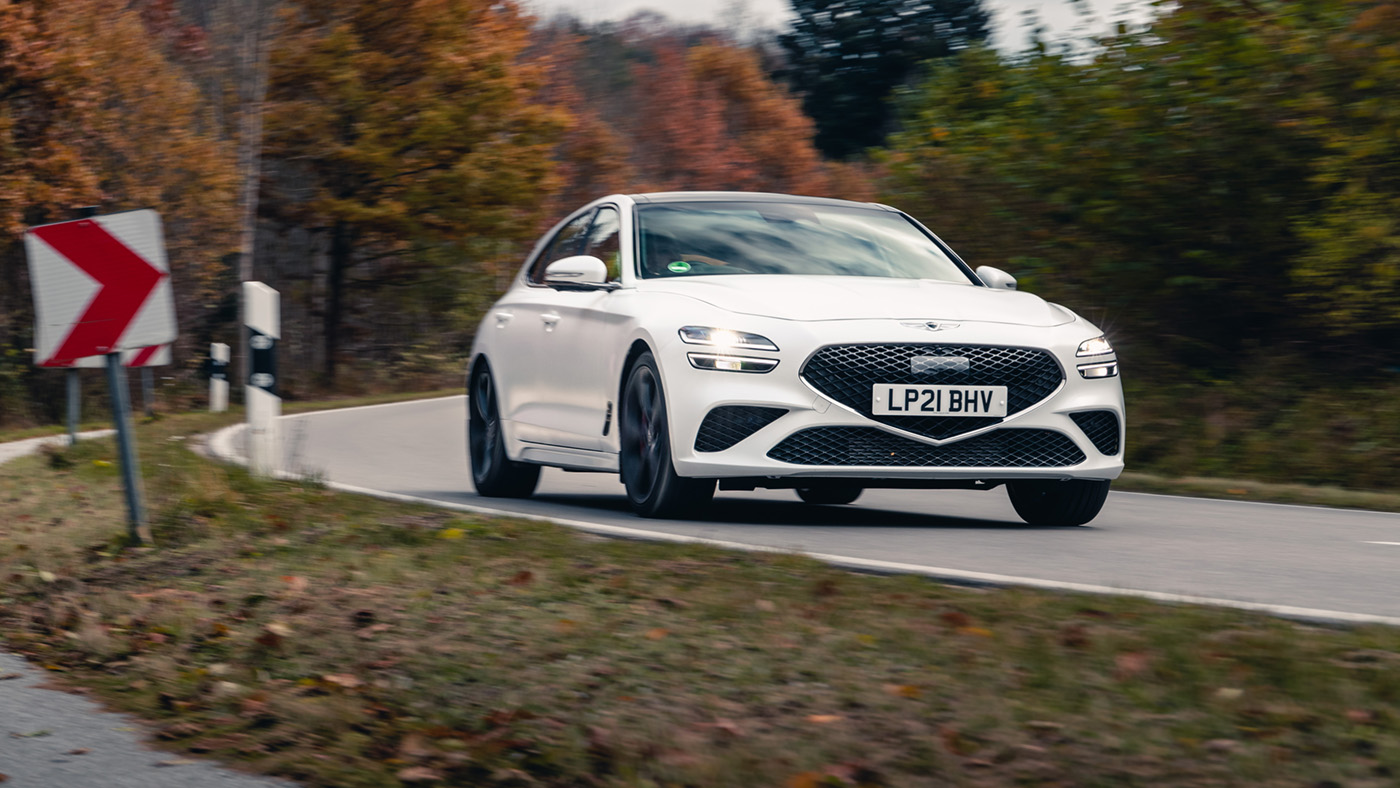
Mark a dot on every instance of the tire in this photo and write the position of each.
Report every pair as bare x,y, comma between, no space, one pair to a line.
1059,503
644,433
831,493
493,474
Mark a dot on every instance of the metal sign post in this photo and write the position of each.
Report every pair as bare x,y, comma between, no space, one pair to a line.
262,316
102,286
137,528
218,377
75,405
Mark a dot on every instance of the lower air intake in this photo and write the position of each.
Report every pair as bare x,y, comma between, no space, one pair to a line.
1101,427
726,425
870,446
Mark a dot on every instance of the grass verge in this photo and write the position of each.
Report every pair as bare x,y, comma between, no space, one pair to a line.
1264,492
345,641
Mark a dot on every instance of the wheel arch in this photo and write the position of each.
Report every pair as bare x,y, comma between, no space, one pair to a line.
637,348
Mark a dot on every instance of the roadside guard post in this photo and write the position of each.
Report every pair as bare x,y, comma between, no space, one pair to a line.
102,287
218,377
262,313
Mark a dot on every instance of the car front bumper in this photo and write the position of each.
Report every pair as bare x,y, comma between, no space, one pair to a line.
817,436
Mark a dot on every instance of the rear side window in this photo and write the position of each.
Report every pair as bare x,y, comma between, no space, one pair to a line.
566,243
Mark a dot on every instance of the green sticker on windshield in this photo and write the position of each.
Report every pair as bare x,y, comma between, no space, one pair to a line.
679,267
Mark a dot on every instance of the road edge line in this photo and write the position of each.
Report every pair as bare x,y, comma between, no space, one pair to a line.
220,444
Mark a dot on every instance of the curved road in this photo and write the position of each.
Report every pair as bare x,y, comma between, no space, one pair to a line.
1295,560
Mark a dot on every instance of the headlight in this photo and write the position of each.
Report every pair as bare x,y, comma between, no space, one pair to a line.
725,339
1094,347
731,363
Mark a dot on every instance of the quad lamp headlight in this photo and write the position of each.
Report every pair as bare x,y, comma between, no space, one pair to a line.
723,338
1097,346
723,341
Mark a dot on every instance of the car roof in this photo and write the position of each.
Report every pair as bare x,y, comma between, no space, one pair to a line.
669,197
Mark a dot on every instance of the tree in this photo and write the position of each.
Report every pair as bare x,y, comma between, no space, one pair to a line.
408,135
92,113
845,57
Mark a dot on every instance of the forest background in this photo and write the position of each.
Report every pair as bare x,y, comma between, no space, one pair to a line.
1219,189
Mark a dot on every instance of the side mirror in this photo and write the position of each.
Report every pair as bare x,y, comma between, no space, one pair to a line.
994,278
580,272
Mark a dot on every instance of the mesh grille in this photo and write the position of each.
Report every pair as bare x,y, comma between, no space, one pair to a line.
846,373
727,425
1101,426
871,446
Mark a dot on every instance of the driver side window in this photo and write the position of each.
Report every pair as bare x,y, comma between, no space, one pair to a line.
603,242
566,243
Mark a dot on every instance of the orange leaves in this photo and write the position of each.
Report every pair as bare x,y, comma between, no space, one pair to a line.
904,690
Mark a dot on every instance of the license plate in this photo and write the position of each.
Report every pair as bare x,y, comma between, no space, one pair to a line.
897,399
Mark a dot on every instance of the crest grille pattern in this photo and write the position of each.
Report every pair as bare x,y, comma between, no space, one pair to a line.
846,373
871,446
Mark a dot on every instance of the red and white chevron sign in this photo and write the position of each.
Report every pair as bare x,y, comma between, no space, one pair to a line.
152,356
101,285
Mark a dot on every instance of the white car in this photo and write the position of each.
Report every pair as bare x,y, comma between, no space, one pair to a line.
690,339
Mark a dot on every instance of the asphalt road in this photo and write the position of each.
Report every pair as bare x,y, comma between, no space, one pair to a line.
1297,560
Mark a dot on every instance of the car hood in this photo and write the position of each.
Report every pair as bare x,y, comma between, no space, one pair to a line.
862,298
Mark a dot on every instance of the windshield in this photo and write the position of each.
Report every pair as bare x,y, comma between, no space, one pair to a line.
709,238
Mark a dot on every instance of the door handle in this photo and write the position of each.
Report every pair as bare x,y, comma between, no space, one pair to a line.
502,318
550,320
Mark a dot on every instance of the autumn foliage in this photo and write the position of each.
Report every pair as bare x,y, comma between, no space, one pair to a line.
91,113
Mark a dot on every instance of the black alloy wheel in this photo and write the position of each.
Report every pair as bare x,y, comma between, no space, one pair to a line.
831,493
647,471
493,474
1058,503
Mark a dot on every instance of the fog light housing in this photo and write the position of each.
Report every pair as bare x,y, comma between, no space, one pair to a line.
1107,369
725,363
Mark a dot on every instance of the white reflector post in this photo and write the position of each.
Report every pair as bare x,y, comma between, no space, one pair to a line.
262,318
218,377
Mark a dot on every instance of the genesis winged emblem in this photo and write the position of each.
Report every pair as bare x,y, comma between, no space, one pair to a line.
929,325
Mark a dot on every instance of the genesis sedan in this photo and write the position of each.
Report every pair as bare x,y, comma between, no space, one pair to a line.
690,340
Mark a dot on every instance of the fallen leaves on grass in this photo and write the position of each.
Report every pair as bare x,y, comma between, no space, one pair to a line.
903,690
295,583
657,633
342,680
1075,636
522,578
1131,664
273,634
824,719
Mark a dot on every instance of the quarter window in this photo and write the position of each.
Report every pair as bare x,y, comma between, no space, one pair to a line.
566,243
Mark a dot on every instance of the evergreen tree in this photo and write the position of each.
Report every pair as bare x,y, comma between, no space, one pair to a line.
846,56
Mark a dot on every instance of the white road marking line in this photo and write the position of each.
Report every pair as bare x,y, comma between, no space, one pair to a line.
1251,503
1397,544
221,444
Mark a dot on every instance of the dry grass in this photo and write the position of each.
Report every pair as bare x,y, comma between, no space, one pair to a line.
350,642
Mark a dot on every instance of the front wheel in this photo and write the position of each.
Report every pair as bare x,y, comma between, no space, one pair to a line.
493,474
1073,502
647,471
